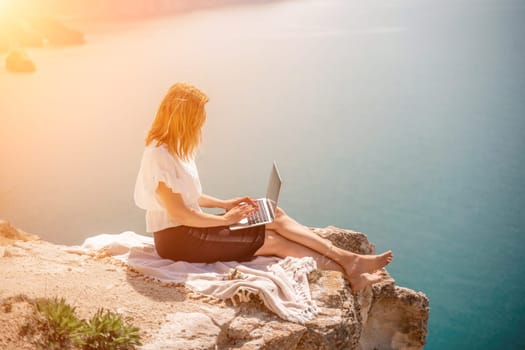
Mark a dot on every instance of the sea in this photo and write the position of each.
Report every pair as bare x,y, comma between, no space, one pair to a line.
401,119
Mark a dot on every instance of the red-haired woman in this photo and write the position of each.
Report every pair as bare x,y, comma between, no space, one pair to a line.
169,189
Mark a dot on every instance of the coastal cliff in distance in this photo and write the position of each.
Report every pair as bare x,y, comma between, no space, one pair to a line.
35,31
18,32
384,316
37,23
42,23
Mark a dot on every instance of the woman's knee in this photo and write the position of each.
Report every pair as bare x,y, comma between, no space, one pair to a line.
280,219
279,212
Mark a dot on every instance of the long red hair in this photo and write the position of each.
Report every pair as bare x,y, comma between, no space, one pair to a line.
179,120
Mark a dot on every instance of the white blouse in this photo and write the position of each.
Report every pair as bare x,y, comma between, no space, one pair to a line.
158,164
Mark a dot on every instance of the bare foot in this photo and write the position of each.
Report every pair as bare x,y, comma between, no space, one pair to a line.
363,280
367,263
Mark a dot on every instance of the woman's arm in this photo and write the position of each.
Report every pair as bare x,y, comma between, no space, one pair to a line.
206,201
212,202
176,208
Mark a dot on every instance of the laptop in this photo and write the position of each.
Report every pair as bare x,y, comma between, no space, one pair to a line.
266,206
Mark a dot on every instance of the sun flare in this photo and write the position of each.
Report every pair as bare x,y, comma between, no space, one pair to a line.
4,5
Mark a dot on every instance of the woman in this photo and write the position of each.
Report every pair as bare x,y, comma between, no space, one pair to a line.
169,189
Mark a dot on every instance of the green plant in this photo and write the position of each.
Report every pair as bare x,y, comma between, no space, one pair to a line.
107,330
56,324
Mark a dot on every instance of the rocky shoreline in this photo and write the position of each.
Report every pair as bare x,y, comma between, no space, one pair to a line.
170,316
20,32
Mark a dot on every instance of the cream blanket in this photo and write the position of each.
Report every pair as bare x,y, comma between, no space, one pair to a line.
281,284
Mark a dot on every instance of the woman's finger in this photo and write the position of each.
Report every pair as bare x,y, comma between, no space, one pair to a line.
247,211
243,208
251,201
247,201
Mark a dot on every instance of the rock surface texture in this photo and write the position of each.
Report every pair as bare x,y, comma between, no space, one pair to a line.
384,316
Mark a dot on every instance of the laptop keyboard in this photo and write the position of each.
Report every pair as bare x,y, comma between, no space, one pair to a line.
260,215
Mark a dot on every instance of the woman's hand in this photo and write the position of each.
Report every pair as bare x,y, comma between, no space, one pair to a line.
238,212
231,203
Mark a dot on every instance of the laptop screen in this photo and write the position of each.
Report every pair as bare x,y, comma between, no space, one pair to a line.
274,186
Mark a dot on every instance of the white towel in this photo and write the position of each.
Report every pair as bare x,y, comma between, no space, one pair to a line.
281,284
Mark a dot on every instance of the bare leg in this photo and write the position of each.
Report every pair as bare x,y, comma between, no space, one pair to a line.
277,245
353,264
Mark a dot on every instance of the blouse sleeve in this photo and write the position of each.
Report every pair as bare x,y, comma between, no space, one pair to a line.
156,166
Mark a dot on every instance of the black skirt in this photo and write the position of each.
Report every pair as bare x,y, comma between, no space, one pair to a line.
208,244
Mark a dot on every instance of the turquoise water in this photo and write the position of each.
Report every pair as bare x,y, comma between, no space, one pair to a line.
401,119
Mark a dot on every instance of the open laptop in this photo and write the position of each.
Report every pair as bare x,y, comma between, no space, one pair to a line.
266,206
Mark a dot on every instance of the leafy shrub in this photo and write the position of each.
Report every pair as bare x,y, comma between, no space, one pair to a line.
57,324
54,325
109,331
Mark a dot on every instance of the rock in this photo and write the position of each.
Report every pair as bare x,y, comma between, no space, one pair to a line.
384,316
17,61
397,319
338,324
185,331
253,329
381,317
9,234
354,241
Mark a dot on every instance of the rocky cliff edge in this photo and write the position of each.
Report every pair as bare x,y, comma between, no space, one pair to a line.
170,316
